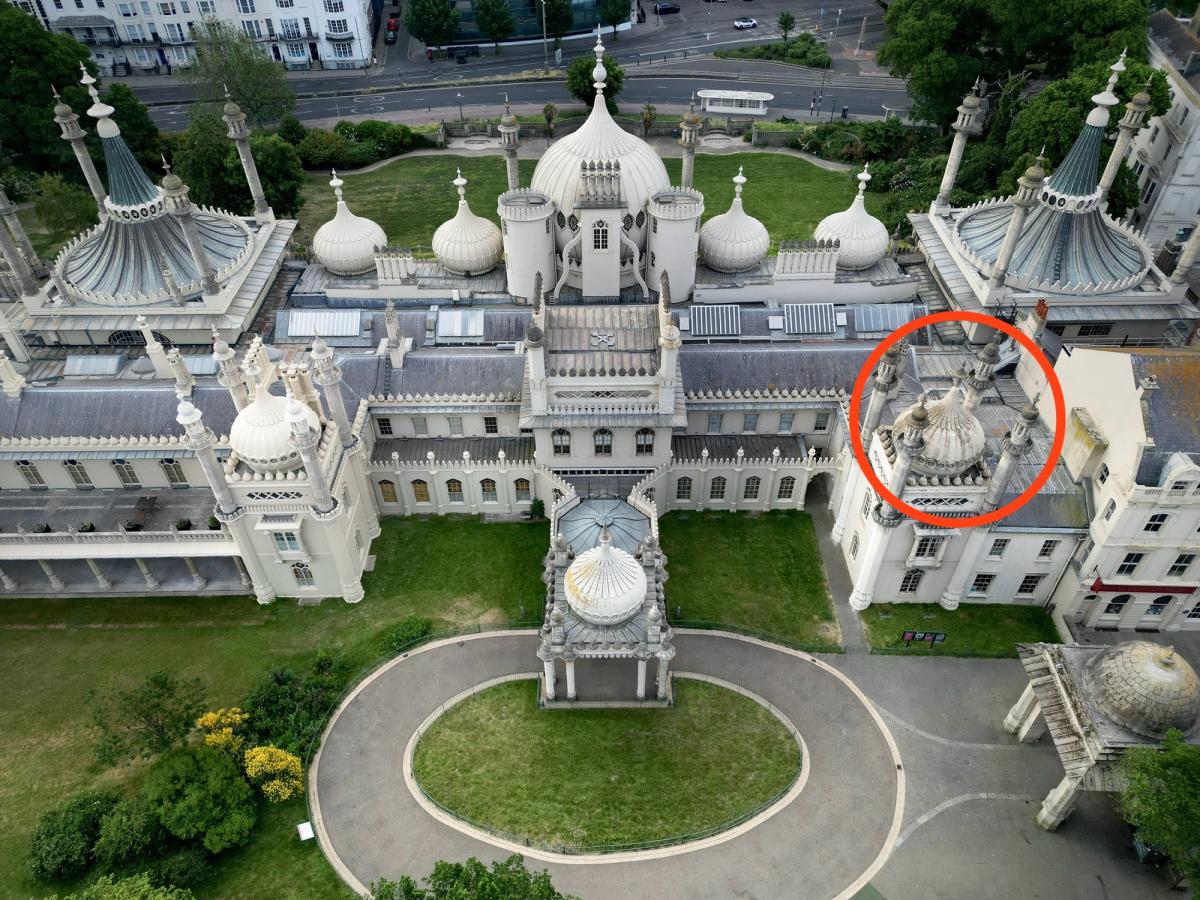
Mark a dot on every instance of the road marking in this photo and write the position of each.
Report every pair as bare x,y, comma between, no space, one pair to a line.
955,801
947,742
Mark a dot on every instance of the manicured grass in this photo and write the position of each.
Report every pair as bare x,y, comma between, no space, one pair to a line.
412,196
457,571
605,776
760,572
974,629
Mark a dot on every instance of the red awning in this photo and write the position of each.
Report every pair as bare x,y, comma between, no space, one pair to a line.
1099,585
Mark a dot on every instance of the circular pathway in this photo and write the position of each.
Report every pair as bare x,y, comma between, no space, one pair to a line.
827,842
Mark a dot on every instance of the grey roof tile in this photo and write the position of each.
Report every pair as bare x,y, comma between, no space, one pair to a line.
711,367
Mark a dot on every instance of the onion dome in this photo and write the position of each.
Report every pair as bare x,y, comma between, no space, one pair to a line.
1146,688
261,435
60,106
467,244
605,585
862,238
954,439
734,241
600,139
346,244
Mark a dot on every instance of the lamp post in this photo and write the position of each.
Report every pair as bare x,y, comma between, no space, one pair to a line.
461,117
545,43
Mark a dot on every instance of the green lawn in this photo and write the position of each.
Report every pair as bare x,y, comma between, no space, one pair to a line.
412,196
974,629
456,571
589,777
760,572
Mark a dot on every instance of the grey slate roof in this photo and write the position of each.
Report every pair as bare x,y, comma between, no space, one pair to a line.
518,449
1172,411
712,367
626,526
726,446
457,372
1178,42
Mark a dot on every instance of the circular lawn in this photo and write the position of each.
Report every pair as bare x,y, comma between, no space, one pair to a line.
595,779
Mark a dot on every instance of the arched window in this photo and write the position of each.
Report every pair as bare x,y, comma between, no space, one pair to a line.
32,476
600,236
787,487
303,574
750,492
522,488
1159,605
602,442
561,438
487,487
420,491
387,490
911,581
454,490
78,473
174,472
126,474
1117,605
716,490
645,441
683,489
136,339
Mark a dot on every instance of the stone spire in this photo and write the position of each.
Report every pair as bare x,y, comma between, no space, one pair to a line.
887,374
964,126
154,350
983,375
1016,444
178,205
19,264
329,376
8,213
201,440
227,371
1135,115
669,342
510,140
1029,186
306,440
240,134
184,382
12,381
73,134
1187,258
689,140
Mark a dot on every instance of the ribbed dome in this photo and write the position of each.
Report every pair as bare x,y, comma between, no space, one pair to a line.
1145,687
954,439
862,238
734,241
605,585
467,244
600,139
261,435
346,244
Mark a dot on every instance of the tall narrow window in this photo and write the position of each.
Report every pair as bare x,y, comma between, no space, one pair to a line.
1109,509
174,473
487,488
602,442
491,425
561,439
1102,473
600,236
786,420
1048,548
821,423
717,489
385,426
420,491
787,487
286,541
999,545
714,423
866,504
683,489
644,441
30,473
79,474
454,490
1155,523
983,581
303,574
456,425
387,491
420,426
1130,563
854,546
126,474
750,422
911,581
521,485
1029,584
750,492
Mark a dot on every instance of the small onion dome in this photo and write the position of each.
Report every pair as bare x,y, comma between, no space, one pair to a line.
605,585
954,439
261,435
862,238
467,244
734,241
1145,687
346,244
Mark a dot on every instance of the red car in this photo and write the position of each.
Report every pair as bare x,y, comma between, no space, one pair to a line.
393,25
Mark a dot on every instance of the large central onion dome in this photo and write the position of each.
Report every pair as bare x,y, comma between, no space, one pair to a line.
954,439
346,244
467,244
862,238
1145,687
605,585
599,140
261,435
734,241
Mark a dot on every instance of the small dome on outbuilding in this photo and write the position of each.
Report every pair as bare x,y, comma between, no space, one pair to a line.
734,241
862,239
954,438
605,585
1146,688
467,244
346,244
261,435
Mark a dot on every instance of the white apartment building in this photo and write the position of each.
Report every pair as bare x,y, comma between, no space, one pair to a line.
141,37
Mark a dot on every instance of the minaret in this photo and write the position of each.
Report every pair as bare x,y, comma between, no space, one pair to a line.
886,376
19,264
1015,445
689,140
184,210
983,375
884,516
1187,258
73,134
240,134
1135,115
669,342
535,353
184,382
1029,186
964,126
8,212
12,380
306,440
329,376
154,350
228,375
510,140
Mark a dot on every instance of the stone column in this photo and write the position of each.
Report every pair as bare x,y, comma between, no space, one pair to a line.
243,575
964,126
689,140
101,579
305,439
151,581
13,340
154,350
20,266
197,579
56,583
183,209
12,381
843,510
953,593
184,382
662,679
240,134
982,377
1058,804
510,140
200,440
1029,186
228,375
9,583
569,659
8,212
1135,115
1187,259
548,670
73,134
641,678
881,386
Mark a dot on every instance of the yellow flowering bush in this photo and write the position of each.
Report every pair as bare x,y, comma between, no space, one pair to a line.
277,773
220,729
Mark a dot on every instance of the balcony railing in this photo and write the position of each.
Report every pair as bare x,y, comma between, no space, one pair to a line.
339,37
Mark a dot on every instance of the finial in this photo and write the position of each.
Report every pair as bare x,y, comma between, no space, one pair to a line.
863,177
226,87
738,180
166,165
977,86
54,91
599,73
336,183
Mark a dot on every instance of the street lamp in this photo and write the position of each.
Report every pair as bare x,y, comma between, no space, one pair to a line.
461,117
545,44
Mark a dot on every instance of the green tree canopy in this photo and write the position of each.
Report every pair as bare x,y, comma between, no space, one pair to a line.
787,22
200,793
613,13
1162,799
432,22
229,59
579,80
62,206
137,887
150,716
200,161
495,20
559,19
508,880
279,170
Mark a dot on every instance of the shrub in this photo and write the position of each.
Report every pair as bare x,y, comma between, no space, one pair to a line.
402,636
537,508
291,130
129,832
87,527
198,793
184,868
137,887
213,523
149,717
322,149
277,773
222,731
65,837
183,524
288,710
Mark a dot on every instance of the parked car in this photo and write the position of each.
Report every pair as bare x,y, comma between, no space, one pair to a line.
744,22
389,36
664,9
393,24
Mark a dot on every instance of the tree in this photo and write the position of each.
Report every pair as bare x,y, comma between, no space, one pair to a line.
613,13
289,709
291,130
432,22
1123,195
63,207
786,23
198,793
495,20
65,837
559,19
129,832
150,717
137,887
579,80
1162,799
550,113
222,730
279,170
649,114
277,773
508,880
228,59
200,161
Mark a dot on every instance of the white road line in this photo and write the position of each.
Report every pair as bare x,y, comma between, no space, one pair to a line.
955,801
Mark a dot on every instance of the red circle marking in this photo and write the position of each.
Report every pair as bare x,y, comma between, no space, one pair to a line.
1060,420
